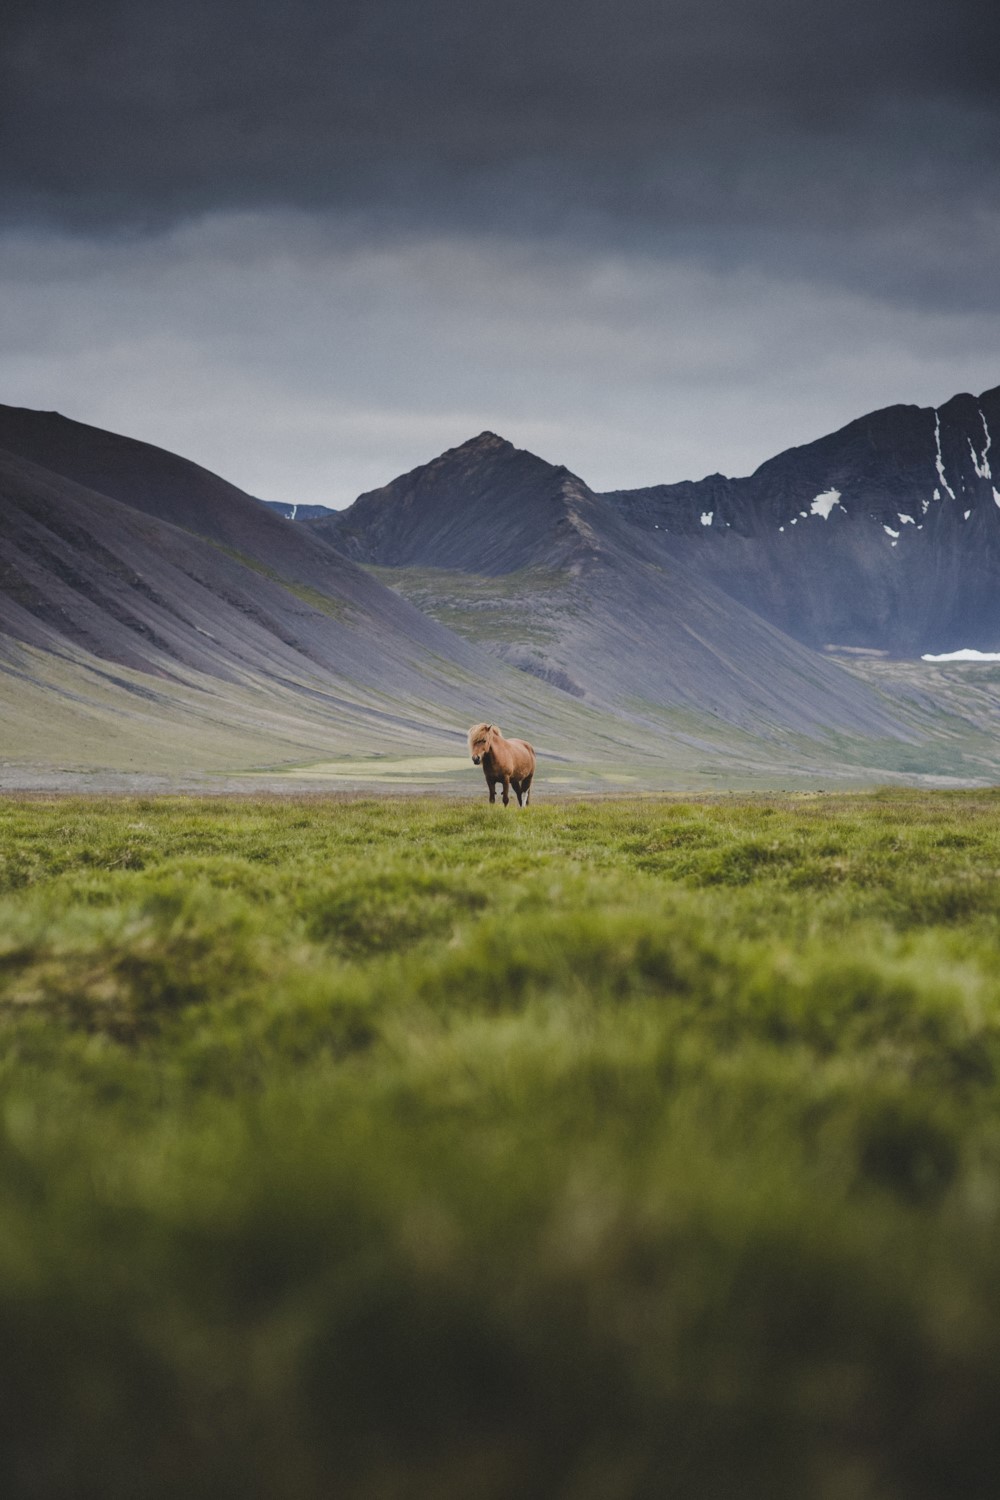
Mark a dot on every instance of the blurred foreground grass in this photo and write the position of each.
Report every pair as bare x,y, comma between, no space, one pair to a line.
389,1149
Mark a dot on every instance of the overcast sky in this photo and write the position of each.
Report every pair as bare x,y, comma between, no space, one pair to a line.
311,244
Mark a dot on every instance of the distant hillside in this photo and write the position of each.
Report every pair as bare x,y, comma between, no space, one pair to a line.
586,606
92,533
154,616
298,512
252,638
883,535
484,507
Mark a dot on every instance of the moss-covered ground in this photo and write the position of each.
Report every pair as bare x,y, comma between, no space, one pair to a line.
388,1149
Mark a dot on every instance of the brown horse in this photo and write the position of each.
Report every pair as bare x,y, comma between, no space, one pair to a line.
507,762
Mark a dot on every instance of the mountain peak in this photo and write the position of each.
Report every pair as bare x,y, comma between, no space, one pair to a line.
483,507
484,445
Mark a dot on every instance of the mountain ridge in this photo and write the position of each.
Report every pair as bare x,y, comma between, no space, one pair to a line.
600,616
884,534
631,637
237,606
536,514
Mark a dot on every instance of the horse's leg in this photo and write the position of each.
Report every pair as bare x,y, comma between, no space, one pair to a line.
506,790
489,785
517,790
526,784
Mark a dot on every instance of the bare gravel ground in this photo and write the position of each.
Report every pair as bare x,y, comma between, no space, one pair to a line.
351,781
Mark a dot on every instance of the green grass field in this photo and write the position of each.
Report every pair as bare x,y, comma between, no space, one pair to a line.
399,1150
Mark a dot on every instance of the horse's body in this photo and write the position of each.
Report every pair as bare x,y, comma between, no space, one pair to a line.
506,763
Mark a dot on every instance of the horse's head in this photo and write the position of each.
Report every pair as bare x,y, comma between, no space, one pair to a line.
480,740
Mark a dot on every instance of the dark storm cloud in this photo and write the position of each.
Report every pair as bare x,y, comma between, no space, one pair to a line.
648,115
310,243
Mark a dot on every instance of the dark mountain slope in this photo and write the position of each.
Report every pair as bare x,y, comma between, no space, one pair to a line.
883,535
172,489
524,514
78,566
141,475
586,606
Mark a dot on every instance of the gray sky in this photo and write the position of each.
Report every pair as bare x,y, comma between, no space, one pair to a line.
312,244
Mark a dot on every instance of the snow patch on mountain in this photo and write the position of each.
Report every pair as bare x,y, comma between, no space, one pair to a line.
940,458
966,654
982,463
823,504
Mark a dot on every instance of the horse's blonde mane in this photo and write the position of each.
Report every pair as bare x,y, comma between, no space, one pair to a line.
483,731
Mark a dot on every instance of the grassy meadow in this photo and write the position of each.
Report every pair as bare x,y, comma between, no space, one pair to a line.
399,1150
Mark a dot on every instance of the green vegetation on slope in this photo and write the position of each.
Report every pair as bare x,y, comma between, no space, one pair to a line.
327,604
386,1149
524,608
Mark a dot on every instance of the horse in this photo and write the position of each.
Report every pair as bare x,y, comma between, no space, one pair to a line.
507,762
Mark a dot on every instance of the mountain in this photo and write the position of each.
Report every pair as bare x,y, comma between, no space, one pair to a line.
522,556
150,612
485,507
155,617
884,535
125,549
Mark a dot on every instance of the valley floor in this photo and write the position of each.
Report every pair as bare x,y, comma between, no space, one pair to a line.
408,1148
